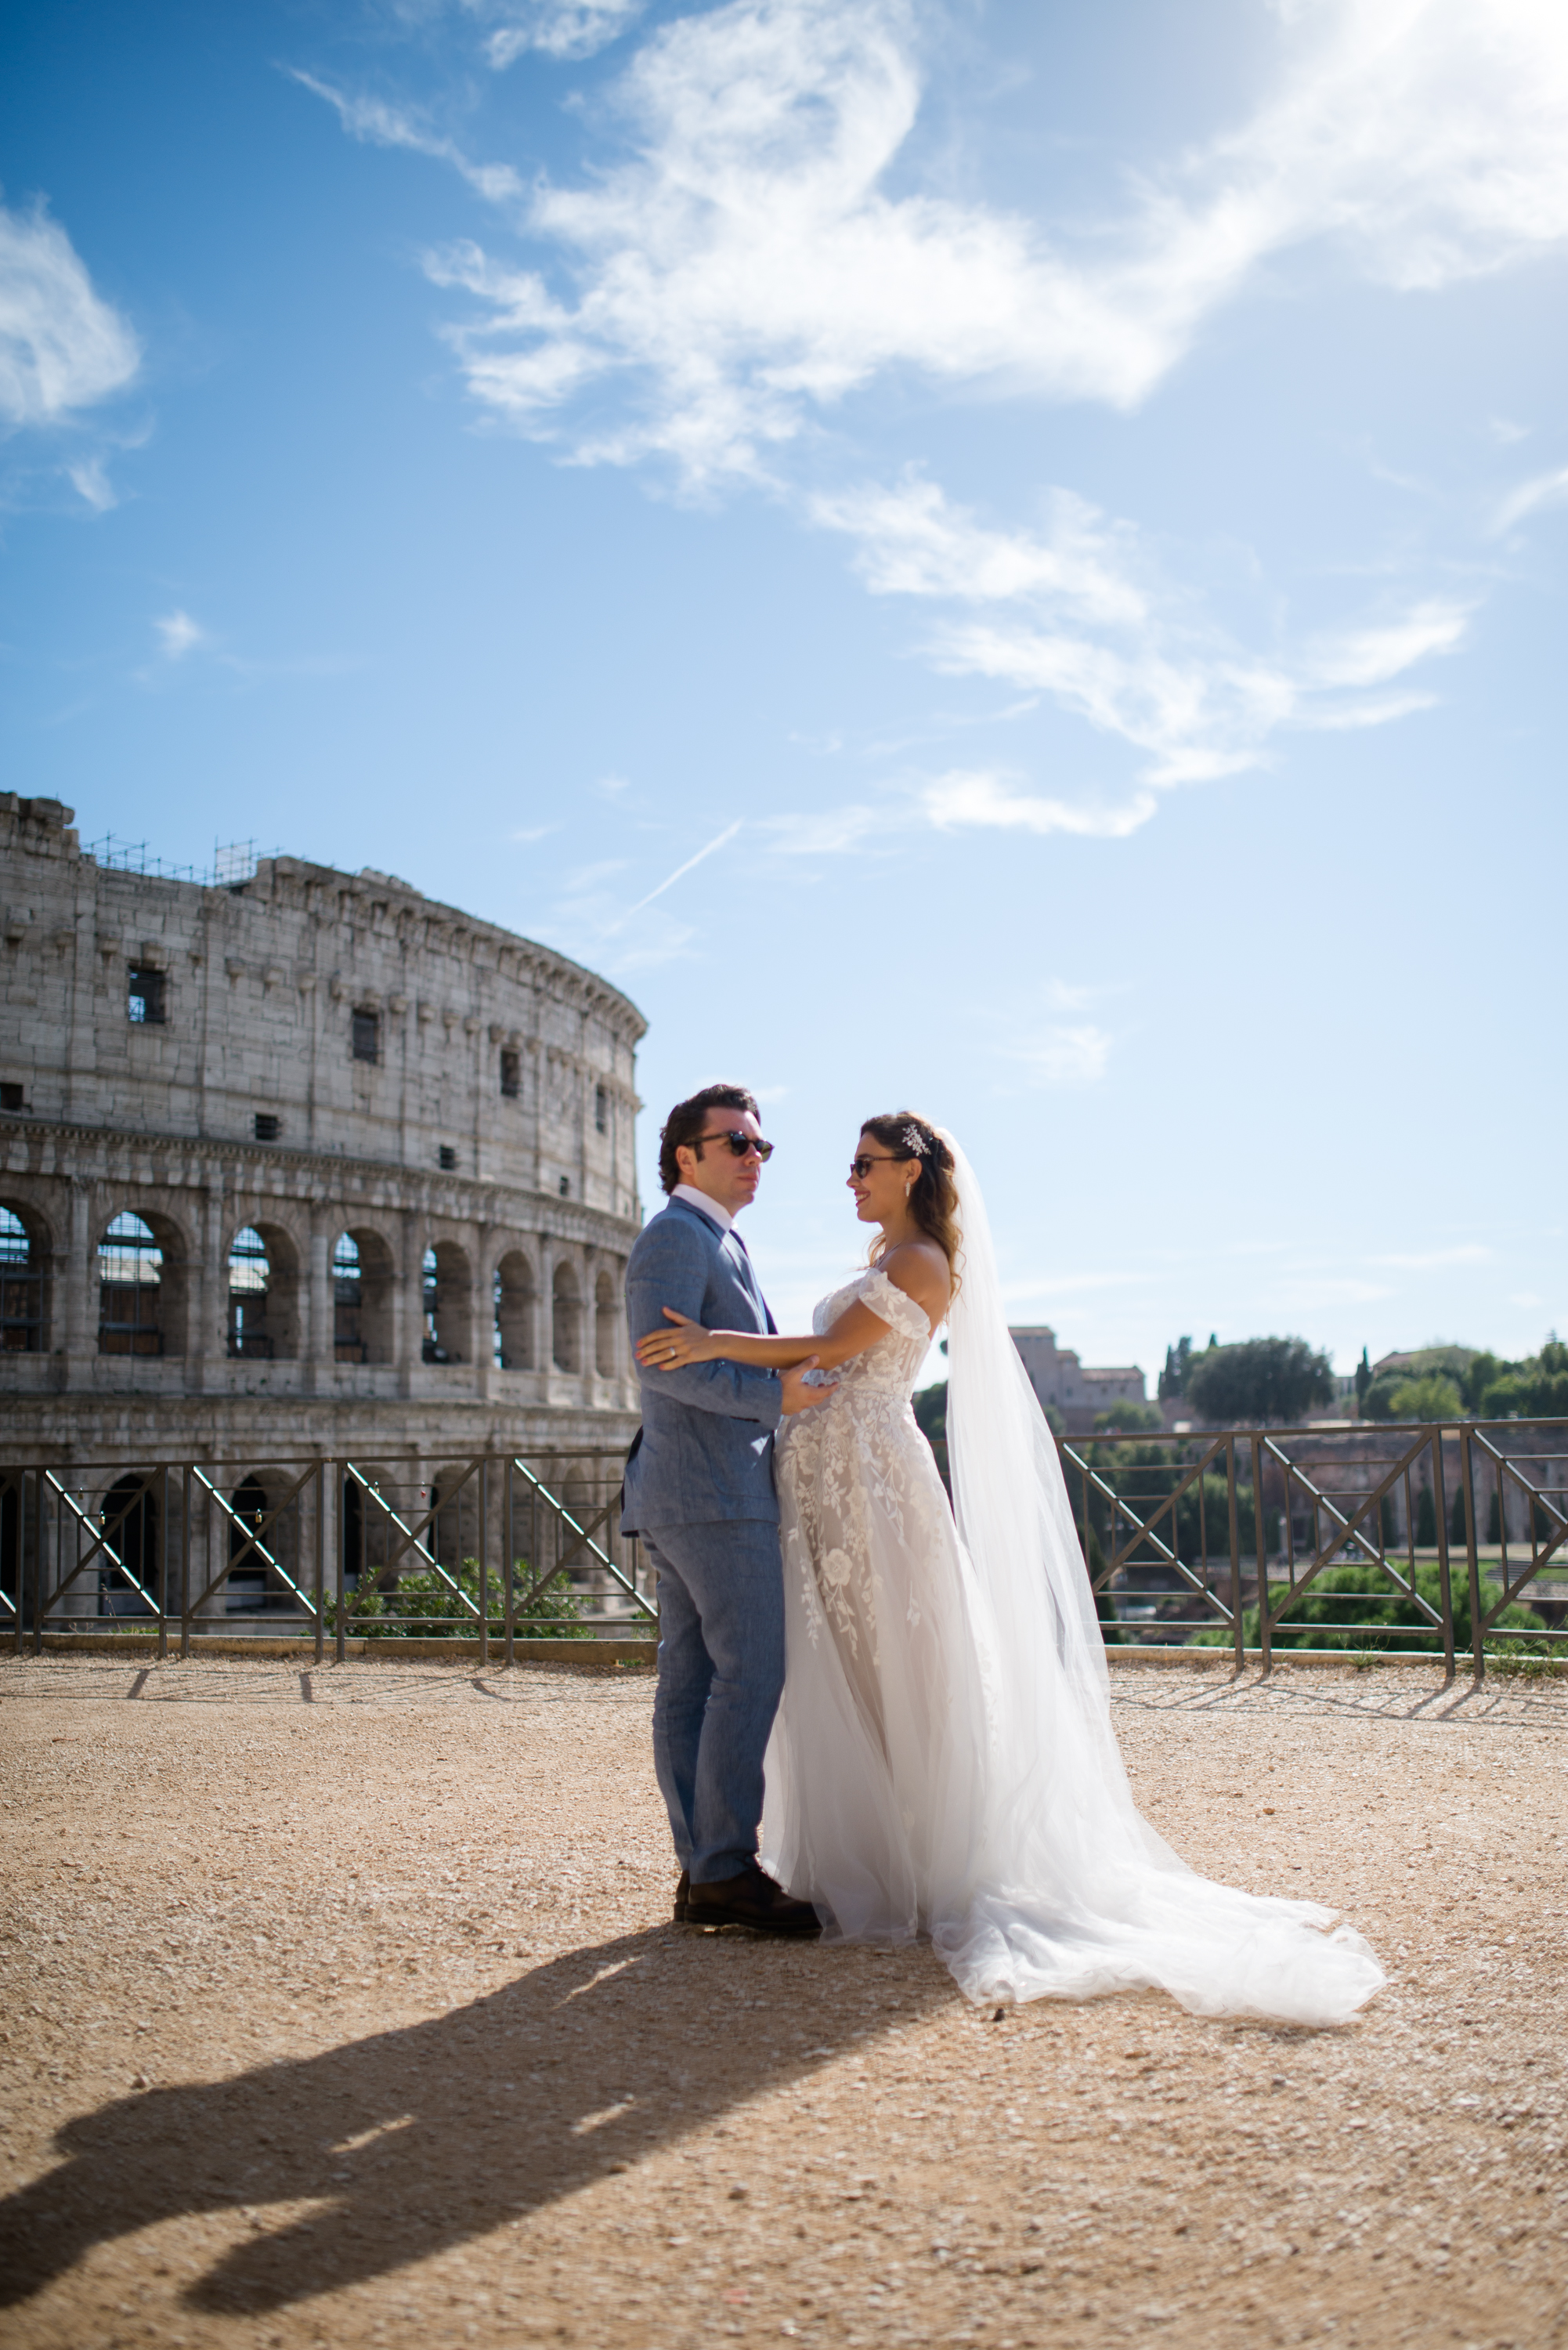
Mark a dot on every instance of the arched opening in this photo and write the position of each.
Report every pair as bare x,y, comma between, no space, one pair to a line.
129,1289
566,1319
21,1287
247,1592
513,1299
11,1546
250,1278
605,1320
361,1299
445,1287
129,1522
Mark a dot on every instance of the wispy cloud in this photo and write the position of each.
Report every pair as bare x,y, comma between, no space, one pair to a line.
831,833
178,634
1063,1056
91,483
63,348
1079,612
555,28
1545,490
377,123
746,264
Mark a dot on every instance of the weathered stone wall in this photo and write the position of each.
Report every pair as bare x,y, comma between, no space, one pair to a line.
417,1147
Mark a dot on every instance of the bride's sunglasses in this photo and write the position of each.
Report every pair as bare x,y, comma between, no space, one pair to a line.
740,1143
860,1167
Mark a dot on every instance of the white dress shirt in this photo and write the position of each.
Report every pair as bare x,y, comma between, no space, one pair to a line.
700,1199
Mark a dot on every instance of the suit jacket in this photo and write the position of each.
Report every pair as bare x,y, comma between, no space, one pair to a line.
705,1449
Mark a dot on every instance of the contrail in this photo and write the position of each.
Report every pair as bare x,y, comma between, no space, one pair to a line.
669,881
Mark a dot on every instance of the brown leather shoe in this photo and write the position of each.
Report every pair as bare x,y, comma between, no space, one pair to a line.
752,1899
681,1891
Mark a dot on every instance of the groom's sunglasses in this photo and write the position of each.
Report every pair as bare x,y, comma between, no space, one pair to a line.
740,1143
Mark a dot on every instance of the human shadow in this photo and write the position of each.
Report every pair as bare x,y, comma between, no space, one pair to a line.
415,2139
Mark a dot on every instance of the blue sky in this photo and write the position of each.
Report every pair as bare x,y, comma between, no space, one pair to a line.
1054,517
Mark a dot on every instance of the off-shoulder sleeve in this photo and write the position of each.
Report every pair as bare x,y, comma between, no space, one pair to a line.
889,1305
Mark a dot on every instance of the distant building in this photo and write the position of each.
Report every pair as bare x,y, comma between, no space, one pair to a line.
1064,1385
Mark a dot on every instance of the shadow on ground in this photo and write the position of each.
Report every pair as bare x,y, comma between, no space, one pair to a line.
417,2139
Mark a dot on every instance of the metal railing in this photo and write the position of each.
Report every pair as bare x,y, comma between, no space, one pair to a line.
493,1548
1433,1541
1354,1537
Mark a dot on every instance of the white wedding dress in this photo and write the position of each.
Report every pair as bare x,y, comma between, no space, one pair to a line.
943,1760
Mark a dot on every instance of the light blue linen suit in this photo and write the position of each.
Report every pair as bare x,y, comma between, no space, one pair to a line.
700,1491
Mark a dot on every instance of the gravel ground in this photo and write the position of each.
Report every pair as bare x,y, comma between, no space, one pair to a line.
341,2008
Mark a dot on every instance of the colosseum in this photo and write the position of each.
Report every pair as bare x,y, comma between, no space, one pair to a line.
302,1166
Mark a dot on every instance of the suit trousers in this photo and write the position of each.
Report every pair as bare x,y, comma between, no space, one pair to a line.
721,1675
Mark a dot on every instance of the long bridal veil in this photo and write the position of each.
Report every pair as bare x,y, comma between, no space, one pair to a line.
1074,1893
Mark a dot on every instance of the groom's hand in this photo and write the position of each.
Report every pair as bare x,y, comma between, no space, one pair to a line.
797,1395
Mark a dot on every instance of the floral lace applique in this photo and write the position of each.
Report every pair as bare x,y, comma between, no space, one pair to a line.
860,1457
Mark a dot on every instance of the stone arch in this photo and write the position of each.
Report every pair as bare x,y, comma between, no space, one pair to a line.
607,1325
255,1588
143,1285
128,1514
514,1300
363,1281
263,1286
25,1251
447,1300
566,1318
364,1528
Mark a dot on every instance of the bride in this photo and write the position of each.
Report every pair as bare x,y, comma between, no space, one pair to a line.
943,1760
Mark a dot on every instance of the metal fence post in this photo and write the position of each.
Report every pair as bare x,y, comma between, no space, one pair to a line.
1439,1504
340,1481
1235,1547
1260,1558
321,1487
163,1562
510,1563
484,1559
185,1568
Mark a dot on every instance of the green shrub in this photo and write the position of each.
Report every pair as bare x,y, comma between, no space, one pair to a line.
1342,1597
432,1610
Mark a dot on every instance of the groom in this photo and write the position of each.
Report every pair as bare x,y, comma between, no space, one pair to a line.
700,1492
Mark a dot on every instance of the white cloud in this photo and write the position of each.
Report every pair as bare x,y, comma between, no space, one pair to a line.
981,798
831,833
89,481
62,347
1080,614
1545,490
378,124
747,265
178,634
557,28
1063,1056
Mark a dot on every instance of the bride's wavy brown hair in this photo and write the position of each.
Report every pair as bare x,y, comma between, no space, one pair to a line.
933,1196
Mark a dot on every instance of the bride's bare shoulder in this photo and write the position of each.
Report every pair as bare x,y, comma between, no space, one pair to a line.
920,1270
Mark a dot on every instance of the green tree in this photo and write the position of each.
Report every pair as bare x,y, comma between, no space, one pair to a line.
1434,1396
1458,1537
1258,1382
1426,1520
1362,1379
1130,1420
1173,1379
1536,1388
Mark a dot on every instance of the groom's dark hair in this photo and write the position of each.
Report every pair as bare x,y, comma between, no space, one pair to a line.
686,1122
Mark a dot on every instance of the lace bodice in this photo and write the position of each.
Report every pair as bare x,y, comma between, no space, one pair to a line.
891,1366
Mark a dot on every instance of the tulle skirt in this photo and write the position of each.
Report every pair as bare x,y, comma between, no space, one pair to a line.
925,1778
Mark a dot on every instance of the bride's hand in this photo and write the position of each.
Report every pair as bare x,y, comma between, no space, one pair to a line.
667,1350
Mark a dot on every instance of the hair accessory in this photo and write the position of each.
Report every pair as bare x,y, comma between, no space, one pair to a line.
915,1143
